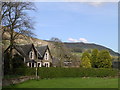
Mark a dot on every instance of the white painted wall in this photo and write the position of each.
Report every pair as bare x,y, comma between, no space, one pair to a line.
40,64
48,55
32,54
28,64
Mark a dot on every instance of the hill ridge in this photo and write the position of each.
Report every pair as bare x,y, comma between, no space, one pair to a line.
81,45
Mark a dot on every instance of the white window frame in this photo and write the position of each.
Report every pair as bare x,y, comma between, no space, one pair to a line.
47,64
31,55
46,56
39,63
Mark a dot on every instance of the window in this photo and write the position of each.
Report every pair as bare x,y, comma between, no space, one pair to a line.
46,56
31,55
39,64
32,64
46,65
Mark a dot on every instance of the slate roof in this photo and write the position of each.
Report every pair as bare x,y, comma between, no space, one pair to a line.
42,50
25,49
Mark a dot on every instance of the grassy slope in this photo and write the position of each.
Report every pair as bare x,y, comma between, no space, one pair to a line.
77,47
70,83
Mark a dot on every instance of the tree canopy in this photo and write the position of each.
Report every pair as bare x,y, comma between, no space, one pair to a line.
85,54
97,59
85,60
16,21
93,58
104,60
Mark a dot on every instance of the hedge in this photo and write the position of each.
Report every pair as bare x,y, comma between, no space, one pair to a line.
67,72
76,72
24,71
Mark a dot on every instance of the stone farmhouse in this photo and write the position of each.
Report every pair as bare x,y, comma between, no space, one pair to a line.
33,56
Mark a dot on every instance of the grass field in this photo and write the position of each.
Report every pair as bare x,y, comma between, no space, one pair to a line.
69,83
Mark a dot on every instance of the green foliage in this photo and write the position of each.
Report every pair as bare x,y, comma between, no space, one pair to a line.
85,54
97,59
94,56
76,72
24,71
18,61
85,60
104,60
66,72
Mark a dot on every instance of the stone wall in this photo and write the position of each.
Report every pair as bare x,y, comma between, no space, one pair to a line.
7,82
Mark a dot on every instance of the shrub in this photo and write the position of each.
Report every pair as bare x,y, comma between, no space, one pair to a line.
53,72
85,60
24,71
93,58
76,72
104,59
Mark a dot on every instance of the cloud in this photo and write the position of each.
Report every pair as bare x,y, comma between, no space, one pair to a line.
73,40
83,40
96,4
78,40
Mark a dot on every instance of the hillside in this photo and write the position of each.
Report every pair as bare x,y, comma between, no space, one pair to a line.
76,47
80,47
21,40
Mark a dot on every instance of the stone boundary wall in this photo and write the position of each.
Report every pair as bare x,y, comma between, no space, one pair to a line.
7,82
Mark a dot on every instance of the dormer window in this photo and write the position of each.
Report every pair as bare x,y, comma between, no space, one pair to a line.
31,55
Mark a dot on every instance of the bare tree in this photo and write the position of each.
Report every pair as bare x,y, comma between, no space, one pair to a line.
63,53
54,39
15,21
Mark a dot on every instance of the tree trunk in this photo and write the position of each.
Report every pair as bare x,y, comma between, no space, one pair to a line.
11,57
11,50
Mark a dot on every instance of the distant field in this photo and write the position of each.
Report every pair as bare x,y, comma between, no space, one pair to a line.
69,83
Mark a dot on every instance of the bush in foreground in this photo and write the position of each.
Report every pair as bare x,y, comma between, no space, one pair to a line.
53,72
76,72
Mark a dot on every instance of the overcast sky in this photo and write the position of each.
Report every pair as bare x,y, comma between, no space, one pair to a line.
78,22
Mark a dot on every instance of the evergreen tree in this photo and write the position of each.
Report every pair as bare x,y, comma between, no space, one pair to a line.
85,54
94,56
85,62
104,59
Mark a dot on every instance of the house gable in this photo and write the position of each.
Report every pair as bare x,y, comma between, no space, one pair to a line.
31,54
44,51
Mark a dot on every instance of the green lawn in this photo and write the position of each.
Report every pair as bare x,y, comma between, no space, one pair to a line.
69,83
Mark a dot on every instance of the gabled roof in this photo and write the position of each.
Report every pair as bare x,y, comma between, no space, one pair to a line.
42,50
25,49
22,49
